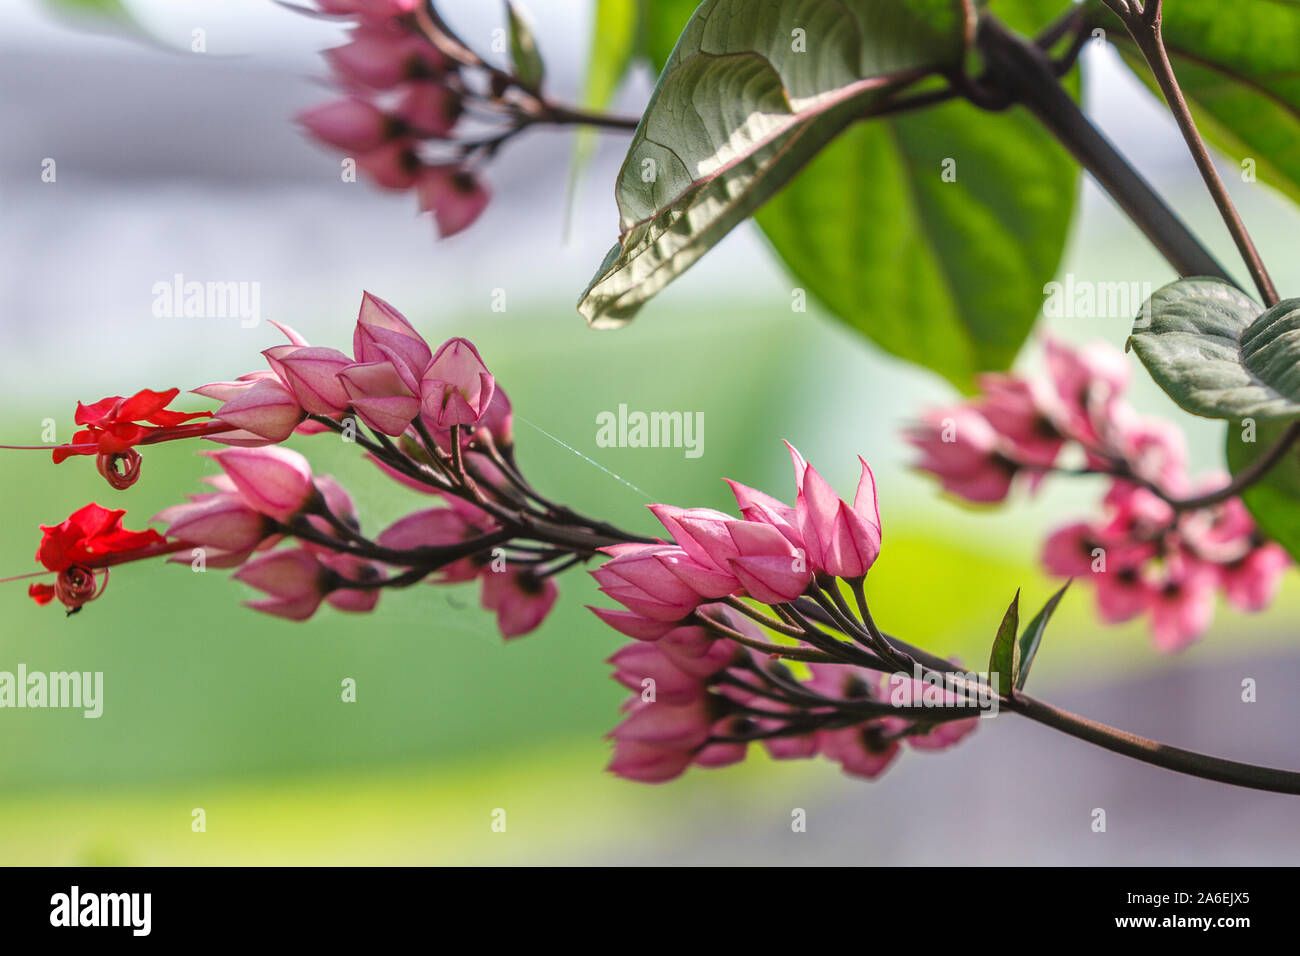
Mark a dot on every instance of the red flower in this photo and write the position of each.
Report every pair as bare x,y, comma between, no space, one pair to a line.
113,425
90,537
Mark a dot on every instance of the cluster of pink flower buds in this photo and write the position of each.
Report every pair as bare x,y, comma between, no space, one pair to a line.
769,554
392,379
1148,552
407,86
701,700
438,423
707,686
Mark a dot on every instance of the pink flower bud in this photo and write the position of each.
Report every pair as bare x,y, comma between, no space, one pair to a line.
520,599
353,600
961,449
767,565
312,375
393,165
351,124
350,568
718,653
223,522
648,763
1154,448
640,602
455,196
1122,593
379,396
763,508
640,568
457,387
261,409
1089,381
381,59
704,580
1020,412
640,661
429,108
436,527
1251,582
944,735
721,753
685,726
860,751
337,499
498,420
840,540
294,580
273,480
633,625
701,532
383,334
640,583
1071,551
690,642
1182,607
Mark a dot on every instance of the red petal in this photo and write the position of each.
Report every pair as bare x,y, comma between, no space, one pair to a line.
168,418
84,437
42,594
56,546
100,412
145,403
120,437
122,540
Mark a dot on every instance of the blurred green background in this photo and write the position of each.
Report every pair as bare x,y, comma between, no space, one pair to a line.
207,704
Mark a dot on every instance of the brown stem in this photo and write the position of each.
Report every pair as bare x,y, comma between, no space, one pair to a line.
1118,467
776,650
1246,477
1187,762
1144,26
1028,76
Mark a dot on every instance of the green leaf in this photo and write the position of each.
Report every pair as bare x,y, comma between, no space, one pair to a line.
101,16
616,41
664,22
1236,65
528,66
1274,500
947,274
112,9
1004,656
1027,16
743,103
1206,344
615,38
1027,646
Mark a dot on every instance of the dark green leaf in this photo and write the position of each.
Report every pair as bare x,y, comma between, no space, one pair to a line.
1207,345
1004,656
947,274
752,91
527,60
1274,501
1027,646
